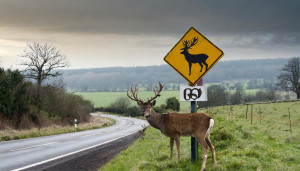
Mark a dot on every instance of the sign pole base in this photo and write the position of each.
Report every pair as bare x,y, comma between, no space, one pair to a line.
194,143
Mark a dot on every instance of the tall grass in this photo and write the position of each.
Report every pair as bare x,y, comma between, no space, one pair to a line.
238,144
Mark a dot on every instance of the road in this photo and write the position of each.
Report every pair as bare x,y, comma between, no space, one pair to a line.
30,153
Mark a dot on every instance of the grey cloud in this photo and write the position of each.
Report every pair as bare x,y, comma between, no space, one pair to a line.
152,16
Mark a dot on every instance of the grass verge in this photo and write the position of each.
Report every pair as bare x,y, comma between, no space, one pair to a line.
239,145
96,122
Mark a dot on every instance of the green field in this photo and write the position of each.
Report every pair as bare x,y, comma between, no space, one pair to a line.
106,98
267,144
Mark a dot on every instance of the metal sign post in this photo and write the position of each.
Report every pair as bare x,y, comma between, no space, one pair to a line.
194,143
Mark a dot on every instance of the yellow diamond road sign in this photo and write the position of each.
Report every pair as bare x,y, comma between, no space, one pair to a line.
193,56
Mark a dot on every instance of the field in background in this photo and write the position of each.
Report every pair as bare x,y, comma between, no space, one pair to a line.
267,144
106,98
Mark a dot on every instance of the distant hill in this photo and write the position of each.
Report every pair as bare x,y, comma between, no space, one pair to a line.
121,78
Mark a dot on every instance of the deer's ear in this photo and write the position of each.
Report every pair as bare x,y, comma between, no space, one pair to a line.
153,103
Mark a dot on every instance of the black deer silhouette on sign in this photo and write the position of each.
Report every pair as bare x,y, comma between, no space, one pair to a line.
193,58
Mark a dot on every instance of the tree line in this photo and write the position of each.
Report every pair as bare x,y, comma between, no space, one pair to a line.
261,73
220,96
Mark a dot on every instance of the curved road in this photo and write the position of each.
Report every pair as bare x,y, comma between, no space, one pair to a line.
28,153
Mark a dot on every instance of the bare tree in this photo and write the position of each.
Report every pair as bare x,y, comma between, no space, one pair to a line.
289,78
41,62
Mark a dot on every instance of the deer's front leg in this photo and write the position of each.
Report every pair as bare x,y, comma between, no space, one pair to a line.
171,146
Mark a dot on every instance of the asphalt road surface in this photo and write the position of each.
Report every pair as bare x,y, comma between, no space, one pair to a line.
73,151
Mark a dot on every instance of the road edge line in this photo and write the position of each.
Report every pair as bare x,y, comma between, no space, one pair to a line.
68,154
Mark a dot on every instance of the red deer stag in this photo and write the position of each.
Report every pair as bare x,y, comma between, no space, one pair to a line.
175,125
193,58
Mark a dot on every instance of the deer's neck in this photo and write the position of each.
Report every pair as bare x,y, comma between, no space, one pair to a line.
156,120
187,56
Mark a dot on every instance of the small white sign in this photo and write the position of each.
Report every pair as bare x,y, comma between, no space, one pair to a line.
197,93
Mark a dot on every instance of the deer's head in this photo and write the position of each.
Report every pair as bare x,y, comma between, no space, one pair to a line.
187,44
145,106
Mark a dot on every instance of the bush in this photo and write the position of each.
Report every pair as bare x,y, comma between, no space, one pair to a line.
13,95
173,103
266,95
237,97
121,106
161,109
134,111
217,96
65,106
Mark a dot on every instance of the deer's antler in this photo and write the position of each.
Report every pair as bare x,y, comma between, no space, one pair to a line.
134,92
194,41
187,44
156,92
133,95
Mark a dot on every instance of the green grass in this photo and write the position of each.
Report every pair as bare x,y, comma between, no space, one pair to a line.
239,145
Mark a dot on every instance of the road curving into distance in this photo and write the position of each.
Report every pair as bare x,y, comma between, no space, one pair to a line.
31,153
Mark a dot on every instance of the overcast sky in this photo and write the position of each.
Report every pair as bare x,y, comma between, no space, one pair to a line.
103,33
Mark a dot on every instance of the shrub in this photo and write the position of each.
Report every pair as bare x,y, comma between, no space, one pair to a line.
121,106
161,109
218,96
5,138
134,111
65,106
13,95
173,103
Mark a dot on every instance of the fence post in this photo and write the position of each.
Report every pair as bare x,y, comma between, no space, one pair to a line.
259,115
251,113
290,120
247,111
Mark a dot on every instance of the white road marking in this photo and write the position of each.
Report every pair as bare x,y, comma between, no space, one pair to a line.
68,154
19,149
126,126
90,135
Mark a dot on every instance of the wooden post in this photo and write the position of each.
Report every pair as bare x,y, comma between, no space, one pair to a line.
291,126
246,111
259,116
290,120
251,113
